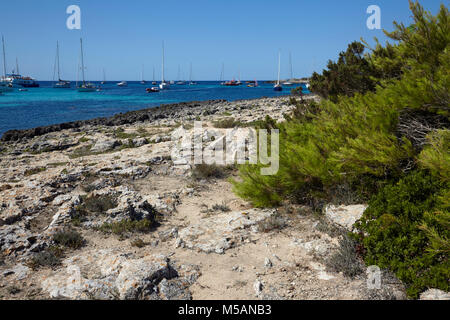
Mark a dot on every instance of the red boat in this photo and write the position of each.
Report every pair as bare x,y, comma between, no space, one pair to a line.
232,83
153,89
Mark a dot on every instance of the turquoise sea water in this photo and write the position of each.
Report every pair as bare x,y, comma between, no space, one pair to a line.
46,105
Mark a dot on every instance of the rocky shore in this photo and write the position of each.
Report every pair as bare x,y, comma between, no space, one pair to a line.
98,209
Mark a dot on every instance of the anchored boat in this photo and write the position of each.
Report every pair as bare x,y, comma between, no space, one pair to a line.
61,84
163,85
278,86
85,86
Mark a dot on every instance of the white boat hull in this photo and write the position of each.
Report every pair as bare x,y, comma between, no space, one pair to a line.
164,86
62,85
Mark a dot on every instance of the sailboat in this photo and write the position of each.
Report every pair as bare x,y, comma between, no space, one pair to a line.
163,85
5,86
104,77
61,84
239,80
85,86
122,84
154,82
142,76
278,86
191,83
180,82
288,83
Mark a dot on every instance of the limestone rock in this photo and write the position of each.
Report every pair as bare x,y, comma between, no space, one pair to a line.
345,216
435,294
104,145
223,231
107,274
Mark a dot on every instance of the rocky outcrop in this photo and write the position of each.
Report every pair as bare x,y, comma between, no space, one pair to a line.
223,231
106,274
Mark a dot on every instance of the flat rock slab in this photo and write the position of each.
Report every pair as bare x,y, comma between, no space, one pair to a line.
345,216
222,231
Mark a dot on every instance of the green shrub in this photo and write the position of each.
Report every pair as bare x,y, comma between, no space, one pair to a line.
128,226
82,151
226,123
351,74
221,207
93,204
350,147
209,171
69,238
99,203
33,171
49,258
395,236
120,133
346,259
138,243
355,141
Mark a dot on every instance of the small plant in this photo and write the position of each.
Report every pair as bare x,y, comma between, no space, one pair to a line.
120,133
142,132
5,187
33,171
128,226
99,203
138,243
49,258
83,139
69,238
82,152
209,171
274,222
226,123
221,207
346,259
13,290
58,164
93,204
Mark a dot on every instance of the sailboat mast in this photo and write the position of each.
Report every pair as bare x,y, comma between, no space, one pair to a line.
279,65
4,57
190,73
142,73
17,66
82,60
57,59
290,64
104,76
162,72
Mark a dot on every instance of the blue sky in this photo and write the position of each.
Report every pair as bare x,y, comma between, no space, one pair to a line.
245,35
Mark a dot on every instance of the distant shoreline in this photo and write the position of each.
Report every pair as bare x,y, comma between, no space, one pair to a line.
162,111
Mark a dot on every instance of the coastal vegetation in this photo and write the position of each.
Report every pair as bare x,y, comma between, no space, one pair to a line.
381,135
